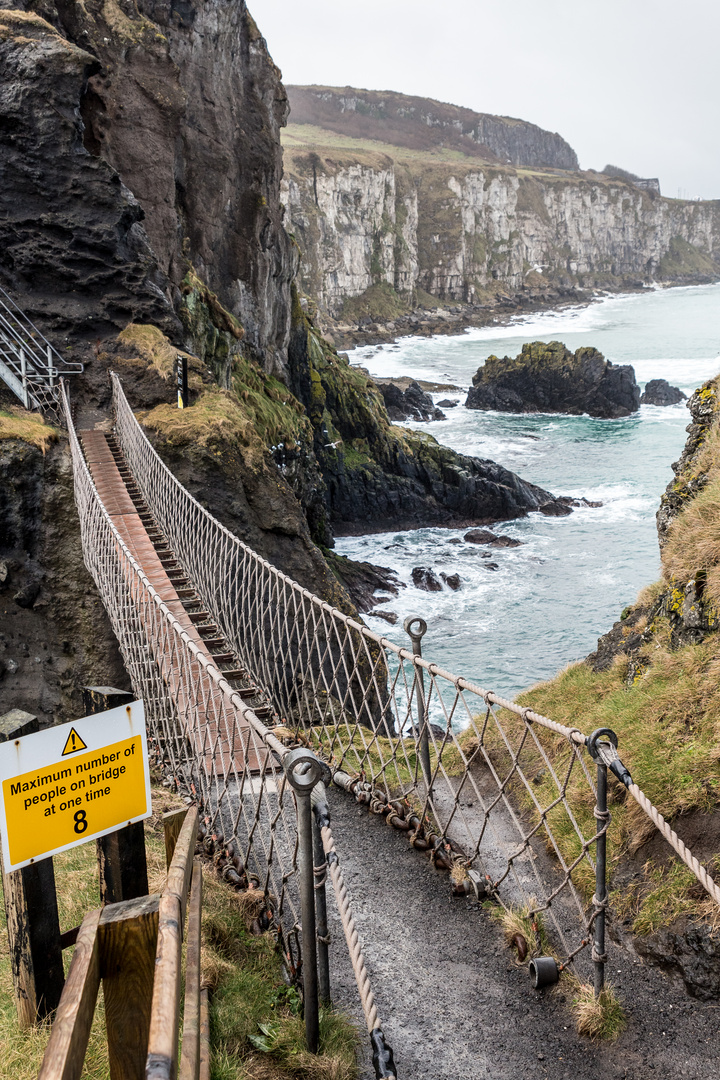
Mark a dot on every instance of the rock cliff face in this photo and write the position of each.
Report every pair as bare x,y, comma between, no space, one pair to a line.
161,113
380,477
462,231
417,122
54,634
549,378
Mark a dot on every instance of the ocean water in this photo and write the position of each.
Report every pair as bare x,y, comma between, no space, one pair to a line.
548,601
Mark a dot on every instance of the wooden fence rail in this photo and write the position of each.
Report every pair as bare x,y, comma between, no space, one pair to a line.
135,949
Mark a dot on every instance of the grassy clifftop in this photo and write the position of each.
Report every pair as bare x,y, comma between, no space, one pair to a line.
655,680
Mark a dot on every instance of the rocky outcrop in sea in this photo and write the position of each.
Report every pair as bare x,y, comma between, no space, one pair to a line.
660,392
550,378
410,404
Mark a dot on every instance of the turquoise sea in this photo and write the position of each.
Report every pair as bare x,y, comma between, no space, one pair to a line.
550,599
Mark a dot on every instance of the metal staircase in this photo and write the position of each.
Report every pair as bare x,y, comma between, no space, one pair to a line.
29,364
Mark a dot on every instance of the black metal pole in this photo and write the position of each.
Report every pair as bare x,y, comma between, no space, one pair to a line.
323,936
182,382
303,771
309,930
599,957
423,733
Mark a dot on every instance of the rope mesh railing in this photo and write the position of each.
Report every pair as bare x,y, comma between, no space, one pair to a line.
501,796
212,742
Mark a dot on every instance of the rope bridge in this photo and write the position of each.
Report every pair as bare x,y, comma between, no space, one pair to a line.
505,799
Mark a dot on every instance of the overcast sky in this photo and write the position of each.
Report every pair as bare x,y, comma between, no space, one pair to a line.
634,83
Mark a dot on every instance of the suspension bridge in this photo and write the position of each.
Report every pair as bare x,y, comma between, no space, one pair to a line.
239,666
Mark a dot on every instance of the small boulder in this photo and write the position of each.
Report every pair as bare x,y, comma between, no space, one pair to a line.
451,580
660,392
490,566
484,536
389,616
26,597
410,404
446,403
425,578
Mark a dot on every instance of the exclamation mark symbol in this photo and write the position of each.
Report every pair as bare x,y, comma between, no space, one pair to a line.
73,743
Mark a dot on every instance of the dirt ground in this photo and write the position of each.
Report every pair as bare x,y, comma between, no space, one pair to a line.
452,1001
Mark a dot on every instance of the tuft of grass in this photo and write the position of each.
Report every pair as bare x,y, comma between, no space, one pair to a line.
30,427
155,348
257,1029
521,922
600,1019
693,545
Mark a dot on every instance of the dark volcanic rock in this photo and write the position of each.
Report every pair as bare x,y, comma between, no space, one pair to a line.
389,616
425,578
446,403
660,392
69,228
410,404
549,378
107,122
378,479
452,581
362,579
688,481
484,536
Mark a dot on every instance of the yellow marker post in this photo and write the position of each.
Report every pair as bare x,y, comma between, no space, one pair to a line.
72,783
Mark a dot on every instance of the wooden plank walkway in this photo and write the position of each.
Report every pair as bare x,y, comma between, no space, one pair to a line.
219,734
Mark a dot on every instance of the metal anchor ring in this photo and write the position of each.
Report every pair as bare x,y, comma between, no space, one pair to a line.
303,770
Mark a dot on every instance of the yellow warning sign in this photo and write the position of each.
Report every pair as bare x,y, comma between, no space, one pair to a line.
74,743
51,802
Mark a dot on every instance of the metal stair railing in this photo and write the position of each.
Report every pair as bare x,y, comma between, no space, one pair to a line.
29,365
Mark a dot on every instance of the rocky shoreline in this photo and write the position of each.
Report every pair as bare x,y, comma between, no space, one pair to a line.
453,318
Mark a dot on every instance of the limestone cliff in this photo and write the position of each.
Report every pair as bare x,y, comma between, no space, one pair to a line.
410,222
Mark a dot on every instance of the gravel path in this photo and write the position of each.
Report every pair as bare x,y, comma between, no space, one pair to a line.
451,1000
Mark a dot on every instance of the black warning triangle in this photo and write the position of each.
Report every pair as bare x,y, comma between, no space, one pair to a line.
73,743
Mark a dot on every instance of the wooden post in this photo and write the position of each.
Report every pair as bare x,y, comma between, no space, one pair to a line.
32,917
190,1059
121,855
172,824
204,1070
162,1059
128,940
65,1051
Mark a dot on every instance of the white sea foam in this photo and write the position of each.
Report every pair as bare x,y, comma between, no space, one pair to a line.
549,600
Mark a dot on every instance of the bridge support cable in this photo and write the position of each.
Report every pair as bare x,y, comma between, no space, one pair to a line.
201,729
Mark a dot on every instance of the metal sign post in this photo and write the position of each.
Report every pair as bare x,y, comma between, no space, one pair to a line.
182,382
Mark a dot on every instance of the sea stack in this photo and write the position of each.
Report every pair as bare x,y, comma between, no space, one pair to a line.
550,378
